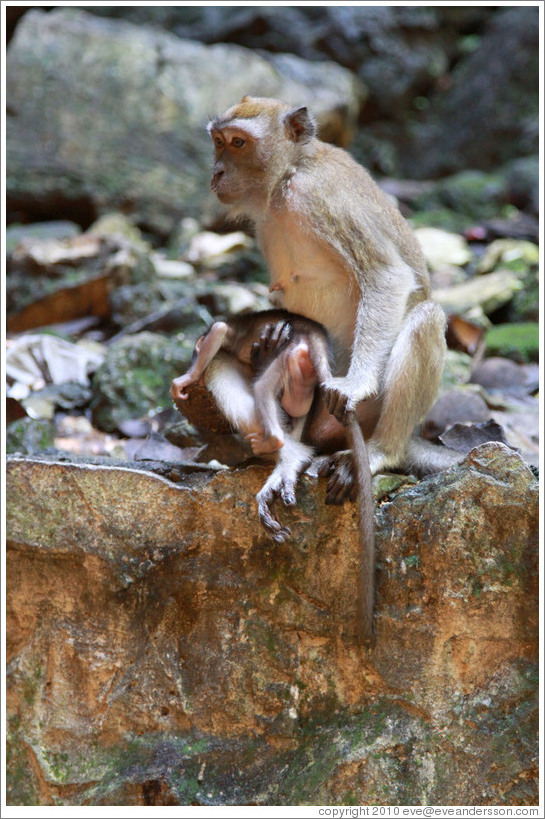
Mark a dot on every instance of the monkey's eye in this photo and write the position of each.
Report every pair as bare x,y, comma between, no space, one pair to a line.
218,141
238,142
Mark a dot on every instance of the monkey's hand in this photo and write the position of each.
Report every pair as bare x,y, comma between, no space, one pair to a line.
339,469
340,401
177,389
273,339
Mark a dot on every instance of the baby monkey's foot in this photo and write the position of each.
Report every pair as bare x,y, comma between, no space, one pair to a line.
262,445
178,388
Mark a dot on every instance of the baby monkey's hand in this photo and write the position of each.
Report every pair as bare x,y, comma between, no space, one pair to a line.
273,339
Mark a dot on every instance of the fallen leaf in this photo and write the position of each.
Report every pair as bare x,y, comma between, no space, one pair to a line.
463,335
463,437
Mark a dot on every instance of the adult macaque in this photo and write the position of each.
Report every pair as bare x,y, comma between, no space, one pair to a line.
273,398
339,252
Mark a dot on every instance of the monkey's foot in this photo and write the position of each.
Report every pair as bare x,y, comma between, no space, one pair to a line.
275,487
380,461
262,445
339,469
179,385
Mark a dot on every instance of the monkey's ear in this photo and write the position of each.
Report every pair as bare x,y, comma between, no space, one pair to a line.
299,125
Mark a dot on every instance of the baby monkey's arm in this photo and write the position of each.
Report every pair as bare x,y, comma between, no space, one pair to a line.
205,349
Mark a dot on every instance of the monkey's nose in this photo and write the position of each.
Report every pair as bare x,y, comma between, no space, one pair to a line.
216,176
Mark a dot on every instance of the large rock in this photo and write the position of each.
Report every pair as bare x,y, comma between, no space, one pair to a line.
399,51
123,125
162,651
490,114
55,280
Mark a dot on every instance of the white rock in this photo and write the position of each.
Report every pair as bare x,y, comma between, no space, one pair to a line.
443,248
213,249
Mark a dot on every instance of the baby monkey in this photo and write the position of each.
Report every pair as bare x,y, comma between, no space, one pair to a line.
284,380
270,409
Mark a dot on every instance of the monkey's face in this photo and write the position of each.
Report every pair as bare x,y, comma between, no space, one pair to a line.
256,143
238,169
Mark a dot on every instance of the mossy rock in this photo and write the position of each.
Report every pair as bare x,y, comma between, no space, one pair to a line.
518,255
27,435
443,218
135,378
56,229
474,194
457,369
525,304
517,341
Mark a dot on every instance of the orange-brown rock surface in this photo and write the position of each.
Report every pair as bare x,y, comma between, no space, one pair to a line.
161,650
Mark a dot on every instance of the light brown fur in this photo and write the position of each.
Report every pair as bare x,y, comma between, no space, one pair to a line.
339,252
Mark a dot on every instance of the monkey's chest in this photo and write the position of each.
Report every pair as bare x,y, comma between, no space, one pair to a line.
309,278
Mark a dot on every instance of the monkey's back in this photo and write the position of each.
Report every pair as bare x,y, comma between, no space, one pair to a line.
367,220
247,329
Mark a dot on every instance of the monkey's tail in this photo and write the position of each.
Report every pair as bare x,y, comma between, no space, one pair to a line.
366,602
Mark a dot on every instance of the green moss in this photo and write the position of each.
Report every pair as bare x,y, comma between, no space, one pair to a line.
442,218
517,341
59,766
474,194
31,684
135,378
525,304
311,768
386,485
27,435
21,787
457,370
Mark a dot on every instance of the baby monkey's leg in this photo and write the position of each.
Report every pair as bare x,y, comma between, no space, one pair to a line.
299,380
230,383
267,389
293,458
292,378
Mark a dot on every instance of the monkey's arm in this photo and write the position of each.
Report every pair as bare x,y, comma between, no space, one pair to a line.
382,285
206,348
380,315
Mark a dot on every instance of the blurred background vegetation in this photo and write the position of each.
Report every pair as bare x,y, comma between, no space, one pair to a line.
114,239
118,256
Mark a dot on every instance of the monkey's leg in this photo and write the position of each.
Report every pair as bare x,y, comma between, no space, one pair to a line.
205,350
293,458
410,386
229,382
266,389
299,379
